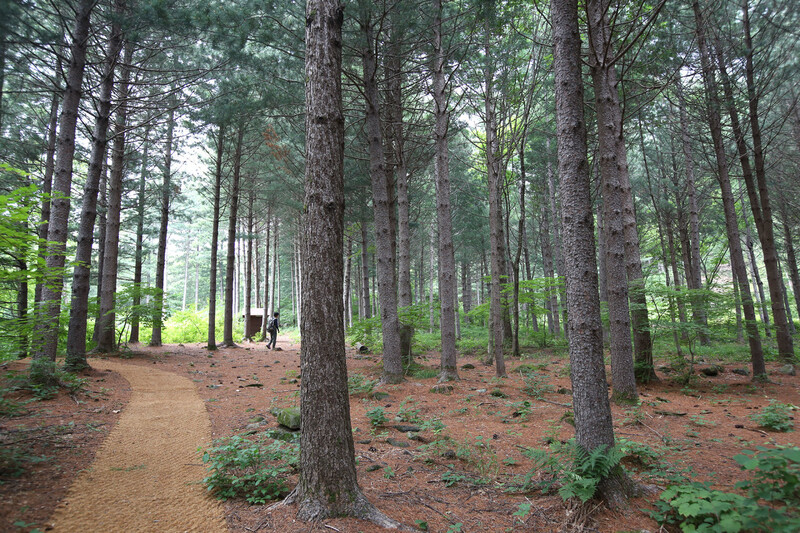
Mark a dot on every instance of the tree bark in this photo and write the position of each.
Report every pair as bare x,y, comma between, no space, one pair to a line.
366,306
46,327
765,229
161,254
227,337
79,307
495,229
693,251
327,485
731,218
394,77
212,281
447,263
47,184
248,275
791,259
612,167
138,254
593,424
382,209
106,341
267,242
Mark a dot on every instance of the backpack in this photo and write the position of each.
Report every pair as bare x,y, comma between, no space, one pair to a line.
271,325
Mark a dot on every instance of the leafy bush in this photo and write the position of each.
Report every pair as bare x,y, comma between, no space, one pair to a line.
254,471
776,474
576,472
775,417
776,480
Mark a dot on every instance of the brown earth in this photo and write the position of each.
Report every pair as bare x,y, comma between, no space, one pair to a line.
122,455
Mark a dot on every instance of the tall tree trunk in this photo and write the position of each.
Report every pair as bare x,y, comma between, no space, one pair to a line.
382,209
367,307
554,216
327,485
138,254
523,185
495,229
79,307
731,218
466,289
47,183
431,275
447,262
161,256
266,315
227,336
47,317
622,238
248,276
612,167
102,210
758,284
593,423
602,277
765,229
347,297
738,303
394,75
212,282
698,301
106,341
791,260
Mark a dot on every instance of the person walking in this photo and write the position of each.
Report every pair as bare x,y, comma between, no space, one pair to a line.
273,327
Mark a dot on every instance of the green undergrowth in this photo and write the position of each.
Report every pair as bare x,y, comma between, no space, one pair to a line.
253,469
768,500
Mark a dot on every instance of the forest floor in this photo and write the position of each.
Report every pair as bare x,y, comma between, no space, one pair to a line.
124,454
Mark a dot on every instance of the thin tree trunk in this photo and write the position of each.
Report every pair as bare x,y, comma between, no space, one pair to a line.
447,263
47,183
348,267
248,276
431,274
227,338
466,289
495,230
106,340
102,210
138,255
46,326
267,242
791,260
161,257
758,284
367,307
212,283
382,208
698,301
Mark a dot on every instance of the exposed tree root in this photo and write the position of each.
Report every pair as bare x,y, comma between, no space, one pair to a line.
314,509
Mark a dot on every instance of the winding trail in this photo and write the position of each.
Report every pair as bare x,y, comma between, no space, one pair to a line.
146,477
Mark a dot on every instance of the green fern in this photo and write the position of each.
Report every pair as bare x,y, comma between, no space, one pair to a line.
576,472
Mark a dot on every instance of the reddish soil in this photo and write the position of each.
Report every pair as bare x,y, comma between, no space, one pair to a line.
697,430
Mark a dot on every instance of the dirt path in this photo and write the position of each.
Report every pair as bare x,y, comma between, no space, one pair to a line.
146,476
